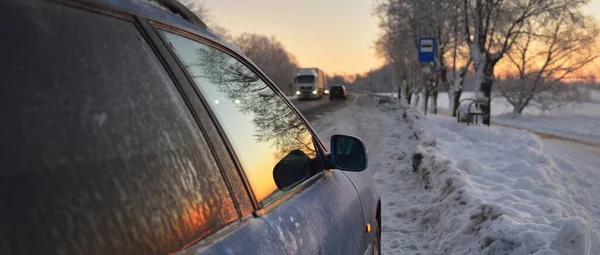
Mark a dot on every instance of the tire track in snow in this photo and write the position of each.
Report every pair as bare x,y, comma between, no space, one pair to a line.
390,149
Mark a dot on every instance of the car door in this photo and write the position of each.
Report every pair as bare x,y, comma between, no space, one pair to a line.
103,155
320,215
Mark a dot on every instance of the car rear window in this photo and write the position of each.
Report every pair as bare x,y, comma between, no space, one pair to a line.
100,154
336,88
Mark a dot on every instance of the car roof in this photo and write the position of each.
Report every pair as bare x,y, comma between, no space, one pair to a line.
153,10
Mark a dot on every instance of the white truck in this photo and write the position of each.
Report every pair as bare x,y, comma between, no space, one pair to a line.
311,83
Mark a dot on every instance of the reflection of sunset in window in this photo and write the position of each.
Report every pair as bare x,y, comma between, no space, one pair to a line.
260,126
260,169
199,215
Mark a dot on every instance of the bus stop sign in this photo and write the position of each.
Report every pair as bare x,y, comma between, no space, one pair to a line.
426,49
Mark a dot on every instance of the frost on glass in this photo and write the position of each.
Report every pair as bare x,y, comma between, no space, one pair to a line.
262,128
100,153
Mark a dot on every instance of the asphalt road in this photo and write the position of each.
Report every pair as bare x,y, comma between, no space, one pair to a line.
312,108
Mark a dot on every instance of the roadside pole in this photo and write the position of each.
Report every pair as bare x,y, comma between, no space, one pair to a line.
426,57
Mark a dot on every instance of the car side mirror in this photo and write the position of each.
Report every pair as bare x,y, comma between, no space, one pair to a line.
291,170
348,153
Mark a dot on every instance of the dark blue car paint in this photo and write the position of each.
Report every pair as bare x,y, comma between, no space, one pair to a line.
328,217
165,17
365,186
323,219
254,237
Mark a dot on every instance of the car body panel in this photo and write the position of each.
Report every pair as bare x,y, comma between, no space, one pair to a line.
255,233
365,186
323,219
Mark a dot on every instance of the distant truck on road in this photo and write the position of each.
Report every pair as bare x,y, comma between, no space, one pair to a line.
310,83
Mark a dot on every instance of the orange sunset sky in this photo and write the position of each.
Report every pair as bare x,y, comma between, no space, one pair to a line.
335,35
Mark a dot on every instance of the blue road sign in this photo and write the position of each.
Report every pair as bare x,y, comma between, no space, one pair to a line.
426,49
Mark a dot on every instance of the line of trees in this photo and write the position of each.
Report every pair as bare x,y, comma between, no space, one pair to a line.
266,52
544,42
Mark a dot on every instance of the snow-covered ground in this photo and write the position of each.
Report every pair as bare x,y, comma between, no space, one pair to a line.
523,196
583,128
577,121
499,105
451,189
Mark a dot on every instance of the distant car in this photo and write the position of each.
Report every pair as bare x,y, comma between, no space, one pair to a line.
129,128
337,91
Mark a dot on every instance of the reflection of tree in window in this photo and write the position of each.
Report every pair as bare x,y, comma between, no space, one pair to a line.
261,127
273,120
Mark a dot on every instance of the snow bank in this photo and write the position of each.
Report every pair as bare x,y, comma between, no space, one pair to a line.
494,191
577,127
595,95
451,189
500,106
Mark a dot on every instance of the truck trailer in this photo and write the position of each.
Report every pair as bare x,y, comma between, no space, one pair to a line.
310,83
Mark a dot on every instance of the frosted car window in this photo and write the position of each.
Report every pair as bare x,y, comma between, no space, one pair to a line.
261,127
100,155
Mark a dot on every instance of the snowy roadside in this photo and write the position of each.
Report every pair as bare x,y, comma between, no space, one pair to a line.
390,148
451,189
359,118
578,127
501,187
577,121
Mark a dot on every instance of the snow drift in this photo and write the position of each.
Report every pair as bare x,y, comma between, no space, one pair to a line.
493,191
451,189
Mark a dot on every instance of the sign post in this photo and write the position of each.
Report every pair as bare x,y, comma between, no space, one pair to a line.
426,53
426,50
427,56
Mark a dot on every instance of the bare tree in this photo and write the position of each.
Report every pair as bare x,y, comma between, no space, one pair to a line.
266,52
221,32
271,57
460,57
198,8
336,79
403,22
550,51
398,42
273,121
444,22
493,26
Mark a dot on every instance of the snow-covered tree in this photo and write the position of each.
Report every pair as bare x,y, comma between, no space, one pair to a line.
403,22
271,57
397,44
198,8
493,26
459,57
269,54
550,51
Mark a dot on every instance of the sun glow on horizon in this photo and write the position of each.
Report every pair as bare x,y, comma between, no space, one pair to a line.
336,35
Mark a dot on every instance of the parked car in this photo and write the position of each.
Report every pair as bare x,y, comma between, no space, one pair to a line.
129,128
337,91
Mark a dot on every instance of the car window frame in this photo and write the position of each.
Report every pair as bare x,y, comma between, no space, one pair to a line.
199,38
198,111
